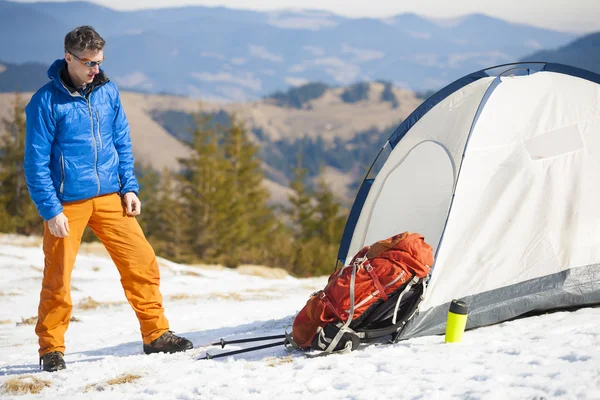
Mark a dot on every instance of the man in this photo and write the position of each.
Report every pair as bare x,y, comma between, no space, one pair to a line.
79,171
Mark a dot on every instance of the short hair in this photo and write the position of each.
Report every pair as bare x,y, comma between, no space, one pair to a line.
83,38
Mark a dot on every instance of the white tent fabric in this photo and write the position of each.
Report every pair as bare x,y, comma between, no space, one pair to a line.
528,196
414,188
502,177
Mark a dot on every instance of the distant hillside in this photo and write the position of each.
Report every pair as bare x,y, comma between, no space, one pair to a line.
582,53
340,129
217,53
22,78
334,131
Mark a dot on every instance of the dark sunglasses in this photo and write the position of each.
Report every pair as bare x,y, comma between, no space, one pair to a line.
89,64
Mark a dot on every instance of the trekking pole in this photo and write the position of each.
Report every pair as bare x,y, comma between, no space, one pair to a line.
230,353
224,342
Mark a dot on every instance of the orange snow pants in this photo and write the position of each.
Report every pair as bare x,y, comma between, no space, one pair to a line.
129,250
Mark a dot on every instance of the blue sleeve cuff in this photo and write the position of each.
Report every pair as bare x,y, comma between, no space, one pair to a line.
51,212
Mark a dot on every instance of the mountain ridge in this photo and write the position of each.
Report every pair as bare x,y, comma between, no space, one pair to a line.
238,55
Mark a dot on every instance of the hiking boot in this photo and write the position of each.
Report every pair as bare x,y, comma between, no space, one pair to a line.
168,343
52,361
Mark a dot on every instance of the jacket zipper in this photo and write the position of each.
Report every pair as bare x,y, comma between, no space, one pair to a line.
118,177
87,99
99,133
95,143
62,174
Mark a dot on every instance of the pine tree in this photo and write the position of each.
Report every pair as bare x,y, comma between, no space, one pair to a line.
170,220
18,212
329,223
248,220
301,211
318,222
149,181
301,214
201,183
331,217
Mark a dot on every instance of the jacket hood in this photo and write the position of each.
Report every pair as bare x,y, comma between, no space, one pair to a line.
54,71
58,65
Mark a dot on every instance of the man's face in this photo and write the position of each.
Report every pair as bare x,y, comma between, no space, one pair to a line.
79,72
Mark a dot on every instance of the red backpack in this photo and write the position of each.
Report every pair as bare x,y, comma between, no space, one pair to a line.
377,274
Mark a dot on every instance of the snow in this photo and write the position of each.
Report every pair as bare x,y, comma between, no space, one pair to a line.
548,356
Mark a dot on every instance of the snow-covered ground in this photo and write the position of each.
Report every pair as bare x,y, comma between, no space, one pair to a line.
549,356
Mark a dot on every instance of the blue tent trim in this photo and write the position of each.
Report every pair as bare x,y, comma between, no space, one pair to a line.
432,102
353,219
573,71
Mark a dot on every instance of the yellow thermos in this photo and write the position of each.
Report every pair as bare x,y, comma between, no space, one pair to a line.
457,320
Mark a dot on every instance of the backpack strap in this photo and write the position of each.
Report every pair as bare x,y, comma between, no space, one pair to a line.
378,285
323,297
345,328
397,324
412,282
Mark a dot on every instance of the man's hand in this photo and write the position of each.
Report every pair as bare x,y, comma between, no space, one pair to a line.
133,205
59,226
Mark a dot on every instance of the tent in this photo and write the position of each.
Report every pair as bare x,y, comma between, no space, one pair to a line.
500,171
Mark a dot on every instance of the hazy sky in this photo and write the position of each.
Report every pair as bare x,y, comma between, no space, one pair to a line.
566,15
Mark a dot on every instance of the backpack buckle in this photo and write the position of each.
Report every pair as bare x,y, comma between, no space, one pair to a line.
360,262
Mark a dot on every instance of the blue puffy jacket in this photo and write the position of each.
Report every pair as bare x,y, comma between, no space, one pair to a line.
76,147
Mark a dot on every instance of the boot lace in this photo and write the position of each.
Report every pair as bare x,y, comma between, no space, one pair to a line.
171,338
51,358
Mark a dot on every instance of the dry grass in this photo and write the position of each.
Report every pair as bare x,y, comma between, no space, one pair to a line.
90,304
36,268
261,271
5,322
226,296
181,296
260,294
12,239
248,294
190,273
209,296
122,379
24,385
33,320
276,361
95,386
119,380
93,249
96,269
9,294
28,321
